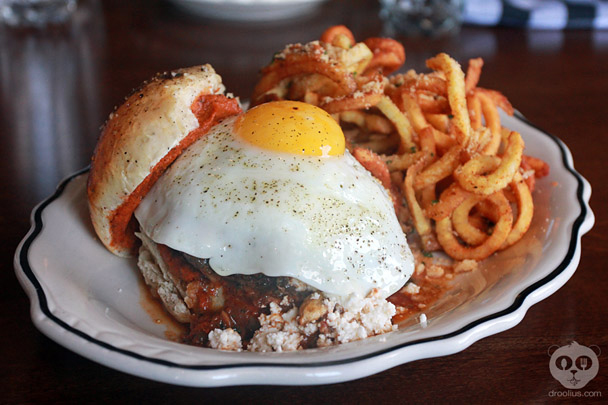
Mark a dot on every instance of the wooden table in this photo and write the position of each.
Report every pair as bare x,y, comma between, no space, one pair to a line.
59,84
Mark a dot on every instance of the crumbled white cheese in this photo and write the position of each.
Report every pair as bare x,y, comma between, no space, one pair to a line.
227,339
346,320
356,318
434,271
465,265
423,320
278,331
411,288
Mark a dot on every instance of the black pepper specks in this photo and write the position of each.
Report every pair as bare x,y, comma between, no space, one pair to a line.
327,208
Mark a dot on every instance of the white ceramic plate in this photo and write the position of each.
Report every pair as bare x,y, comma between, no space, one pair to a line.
248,10
90,301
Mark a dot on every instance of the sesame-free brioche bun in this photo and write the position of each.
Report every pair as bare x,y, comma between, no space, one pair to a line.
142,138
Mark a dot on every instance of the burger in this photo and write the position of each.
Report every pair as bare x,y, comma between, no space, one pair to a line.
258,229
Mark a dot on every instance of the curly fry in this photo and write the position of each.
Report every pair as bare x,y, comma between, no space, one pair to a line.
403,161
335,35
456,94
451,245
427,143
411,82
296,60
540,167
528,175
378,168
370,93
374,164
471,176
378,124
389,55
352,102
308,84
431,103
525,211
498,98
473,74
392,112
450,198
421,223
470,234
474,106
443,141
439,121
490,114
414,113
439,170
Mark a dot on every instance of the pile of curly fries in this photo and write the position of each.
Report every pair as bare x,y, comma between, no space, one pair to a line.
434,140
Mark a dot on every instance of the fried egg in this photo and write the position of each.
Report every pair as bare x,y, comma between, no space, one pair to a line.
274,191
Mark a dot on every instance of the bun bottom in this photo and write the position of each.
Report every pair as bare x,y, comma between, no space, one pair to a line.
159,279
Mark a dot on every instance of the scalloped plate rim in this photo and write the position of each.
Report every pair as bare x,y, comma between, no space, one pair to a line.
324,372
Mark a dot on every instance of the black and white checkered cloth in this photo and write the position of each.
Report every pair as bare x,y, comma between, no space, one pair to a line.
538,14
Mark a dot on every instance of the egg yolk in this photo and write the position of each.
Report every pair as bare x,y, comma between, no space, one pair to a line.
291,127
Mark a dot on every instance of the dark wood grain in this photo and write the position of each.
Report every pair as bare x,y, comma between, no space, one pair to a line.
59,84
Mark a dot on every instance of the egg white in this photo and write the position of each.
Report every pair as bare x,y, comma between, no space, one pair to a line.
322,220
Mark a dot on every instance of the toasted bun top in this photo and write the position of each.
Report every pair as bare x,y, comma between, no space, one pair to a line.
142,138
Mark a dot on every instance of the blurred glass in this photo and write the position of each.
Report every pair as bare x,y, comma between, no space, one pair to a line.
431,18
49,99
38,13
